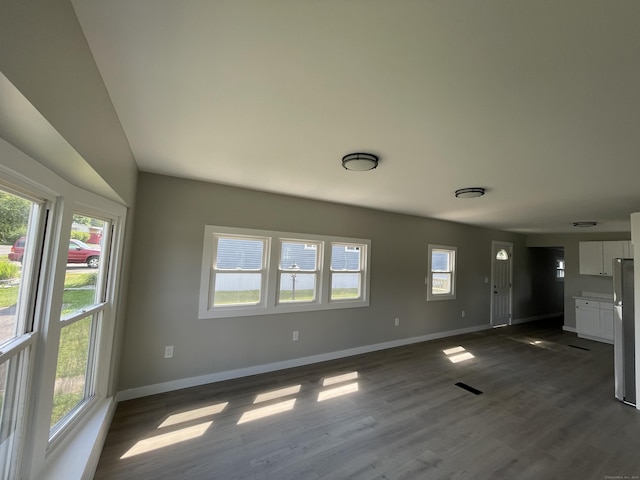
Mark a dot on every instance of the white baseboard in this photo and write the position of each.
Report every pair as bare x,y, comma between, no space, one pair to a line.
569,329
535,318
272,367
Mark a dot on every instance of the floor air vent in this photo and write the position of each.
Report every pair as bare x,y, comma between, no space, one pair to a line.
468,388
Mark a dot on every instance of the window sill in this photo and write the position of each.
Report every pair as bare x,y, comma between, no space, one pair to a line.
280,309
77,456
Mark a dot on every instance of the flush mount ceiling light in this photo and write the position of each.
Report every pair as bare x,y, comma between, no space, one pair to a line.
584,224
360,162
472,192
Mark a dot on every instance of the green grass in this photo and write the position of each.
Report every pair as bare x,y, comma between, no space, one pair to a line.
345,293
74,300
71,368
8,270
234,298
253,296
301,296
63,403
8,296
79,279
73,353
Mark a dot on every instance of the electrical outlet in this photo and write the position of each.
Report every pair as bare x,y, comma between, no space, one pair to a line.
168,351
296,335
397,321
463,313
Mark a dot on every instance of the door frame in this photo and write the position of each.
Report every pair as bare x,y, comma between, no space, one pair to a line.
509,245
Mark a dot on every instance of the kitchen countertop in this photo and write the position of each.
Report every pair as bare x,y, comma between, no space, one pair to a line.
595,297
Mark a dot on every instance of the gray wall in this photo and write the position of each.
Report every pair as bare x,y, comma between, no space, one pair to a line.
166,260
574,283
44,54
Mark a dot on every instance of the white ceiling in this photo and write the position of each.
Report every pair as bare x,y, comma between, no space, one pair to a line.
538,101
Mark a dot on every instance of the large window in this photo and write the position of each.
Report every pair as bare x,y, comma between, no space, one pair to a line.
21,225
60,252
83,304
441,280
257,272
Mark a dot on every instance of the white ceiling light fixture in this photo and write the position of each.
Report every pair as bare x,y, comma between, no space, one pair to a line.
360,162
584,224
471,192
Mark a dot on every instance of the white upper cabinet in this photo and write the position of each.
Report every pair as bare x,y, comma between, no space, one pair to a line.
596,258
591,258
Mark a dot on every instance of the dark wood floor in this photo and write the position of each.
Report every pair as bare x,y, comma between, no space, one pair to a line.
546,411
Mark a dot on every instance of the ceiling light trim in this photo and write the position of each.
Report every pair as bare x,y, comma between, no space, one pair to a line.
470,192
360,162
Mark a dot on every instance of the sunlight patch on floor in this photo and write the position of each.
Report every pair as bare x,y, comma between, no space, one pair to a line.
167,439
339,378
262,412
338,391
458,354
193,414
281,392
451,351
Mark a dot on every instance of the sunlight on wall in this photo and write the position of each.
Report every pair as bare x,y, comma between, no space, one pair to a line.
457,354
167,439
267,411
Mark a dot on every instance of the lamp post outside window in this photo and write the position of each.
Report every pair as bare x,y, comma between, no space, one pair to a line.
295,269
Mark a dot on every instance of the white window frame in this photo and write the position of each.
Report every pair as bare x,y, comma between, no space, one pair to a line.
262,271
101,321
431,295
361,272
560,269
271,279
308,245
35,451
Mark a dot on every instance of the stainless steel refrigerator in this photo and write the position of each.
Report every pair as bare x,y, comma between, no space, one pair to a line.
624,331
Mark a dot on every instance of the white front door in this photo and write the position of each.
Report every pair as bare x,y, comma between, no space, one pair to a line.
501,283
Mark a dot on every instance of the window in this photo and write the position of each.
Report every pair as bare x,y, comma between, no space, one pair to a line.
239,270
502,255
21,225
257,272
298,266
441,281
560,269
60,251
347,271
83,304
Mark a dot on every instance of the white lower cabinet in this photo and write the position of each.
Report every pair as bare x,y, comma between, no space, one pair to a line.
606,321
594,320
